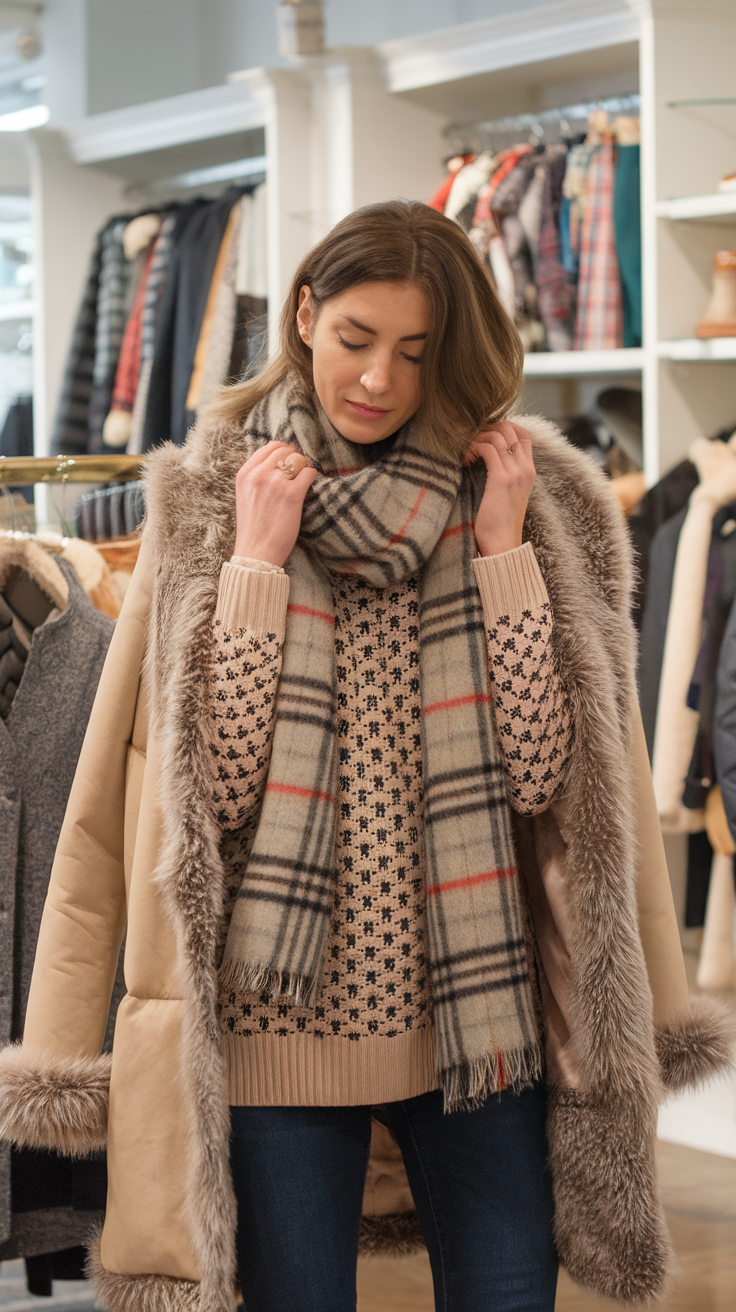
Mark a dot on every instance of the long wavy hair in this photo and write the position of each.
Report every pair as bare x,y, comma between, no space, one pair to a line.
471,369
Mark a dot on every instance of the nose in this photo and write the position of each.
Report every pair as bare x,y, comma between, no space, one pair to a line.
376,376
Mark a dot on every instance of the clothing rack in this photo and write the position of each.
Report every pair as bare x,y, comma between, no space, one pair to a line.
26,471
252,170
533,125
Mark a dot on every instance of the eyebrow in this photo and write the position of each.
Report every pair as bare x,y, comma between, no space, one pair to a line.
412,337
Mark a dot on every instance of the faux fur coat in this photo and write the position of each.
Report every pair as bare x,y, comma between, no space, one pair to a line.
140,848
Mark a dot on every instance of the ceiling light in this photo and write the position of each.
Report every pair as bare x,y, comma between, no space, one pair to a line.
35,116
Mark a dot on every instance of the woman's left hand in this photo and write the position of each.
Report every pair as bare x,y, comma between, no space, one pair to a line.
510,473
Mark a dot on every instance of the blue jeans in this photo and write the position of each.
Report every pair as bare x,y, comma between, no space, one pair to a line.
479,1179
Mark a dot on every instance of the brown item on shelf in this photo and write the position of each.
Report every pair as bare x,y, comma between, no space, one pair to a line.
121,554
719,319
629,490
728,183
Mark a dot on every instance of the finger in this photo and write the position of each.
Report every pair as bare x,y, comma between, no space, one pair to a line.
501,444
502,437
263,453
490,456
304,480
506,429
286,460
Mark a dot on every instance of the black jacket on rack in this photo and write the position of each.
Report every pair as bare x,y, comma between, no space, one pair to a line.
71,428
180,318
662,553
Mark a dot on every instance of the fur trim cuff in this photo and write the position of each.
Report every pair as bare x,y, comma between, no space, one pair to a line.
394,1235
60,1104
140,1293
609,1226
698,1047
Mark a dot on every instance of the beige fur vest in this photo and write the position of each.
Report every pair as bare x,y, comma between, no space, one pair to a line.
139,849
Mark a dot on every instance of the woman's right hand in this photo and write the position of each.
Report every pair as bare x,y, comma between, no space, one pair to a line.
268,504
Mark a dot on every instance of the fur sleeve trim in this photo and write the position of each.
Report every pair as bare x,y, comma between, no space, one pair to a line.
56,1103
146,1293
698,1047
395,1235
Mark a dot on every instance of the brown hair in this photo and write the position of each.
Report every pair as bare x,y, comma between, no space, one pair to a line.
473,358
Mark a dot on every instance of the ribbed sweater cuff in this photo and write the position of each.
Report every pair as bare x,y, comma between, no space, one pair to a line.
510,583
252,599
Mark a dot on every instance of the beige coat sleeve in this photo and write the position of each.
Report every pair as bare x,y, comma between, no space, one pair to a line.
84,916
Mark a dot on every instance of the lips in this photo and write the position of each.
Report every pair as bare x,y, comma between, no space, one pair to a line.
367,411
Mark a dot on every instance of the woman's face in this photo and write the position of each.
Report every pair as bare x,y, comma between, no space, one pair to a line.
366,347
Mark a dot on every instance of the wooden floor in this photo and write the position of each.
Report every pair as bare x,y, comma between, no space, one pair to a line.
699,1192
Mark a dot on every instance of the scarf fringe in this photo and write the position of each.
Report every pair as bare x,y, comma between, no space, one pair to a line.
240,977
468,1086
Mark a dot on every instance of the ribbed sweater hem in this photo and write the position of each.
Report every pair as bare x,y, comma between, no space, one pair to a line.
253,599
299,1070
510,583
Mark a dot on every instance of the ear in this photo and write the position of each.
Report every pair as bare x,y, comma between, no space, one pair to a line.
305,315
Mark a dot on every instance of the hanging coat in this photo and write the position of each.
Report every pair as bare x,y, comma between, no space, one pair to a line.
54,1203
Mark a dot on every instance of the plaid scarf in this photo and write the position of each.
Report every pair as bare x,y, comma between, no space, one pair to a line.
405,514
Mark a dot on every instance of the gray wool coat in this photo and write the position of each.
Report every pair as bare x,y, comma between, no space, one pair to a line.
40,742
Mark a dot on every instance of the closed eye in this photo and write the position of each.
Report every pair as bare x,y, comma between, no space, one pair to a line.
415,359
351,346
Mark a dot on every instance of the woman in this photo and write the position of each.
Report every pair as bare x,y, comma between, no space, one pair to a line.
372,693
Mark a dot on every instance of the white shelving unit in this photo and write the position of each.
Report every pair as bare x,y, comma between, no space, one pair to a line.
359,125
571,364
693,349
16,310
717,206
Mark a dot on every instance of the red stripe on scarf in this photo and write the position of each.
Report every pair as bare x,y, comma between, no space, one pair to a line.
457,701
467,881
293,791
415,510
459,528
307,610
501,1072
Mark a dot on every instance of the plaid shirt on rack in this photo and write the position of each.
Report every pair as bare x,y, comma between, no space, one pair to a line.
599,324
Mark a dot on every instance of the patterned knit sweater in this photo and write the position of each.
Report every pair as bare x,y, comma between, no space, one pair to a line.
369,1039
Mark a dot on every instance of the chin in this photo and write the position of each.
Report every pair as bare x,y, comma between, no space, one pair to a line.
363,434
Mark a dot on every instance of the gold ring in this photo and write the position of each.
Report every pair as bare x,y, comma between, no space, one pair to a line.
287,469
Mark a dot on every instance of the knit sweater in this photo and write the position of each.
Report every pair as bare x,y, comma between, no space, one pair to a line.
370,1038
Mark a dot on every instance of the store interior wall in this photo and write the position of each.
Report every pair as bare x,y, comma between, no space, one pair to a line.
142,51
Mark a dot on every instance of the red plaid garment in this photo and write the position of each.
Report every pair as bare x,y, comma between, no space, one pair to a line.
599,323
129,363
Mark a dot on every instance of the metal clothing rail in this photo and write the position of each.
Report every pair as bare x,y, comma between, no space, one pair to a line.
252,170
26,471
537,121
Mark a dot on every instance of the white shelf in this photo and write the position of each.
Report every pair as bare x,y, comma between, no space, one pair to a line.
562,364
696,348
722,204
178,120
567,28
16,310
